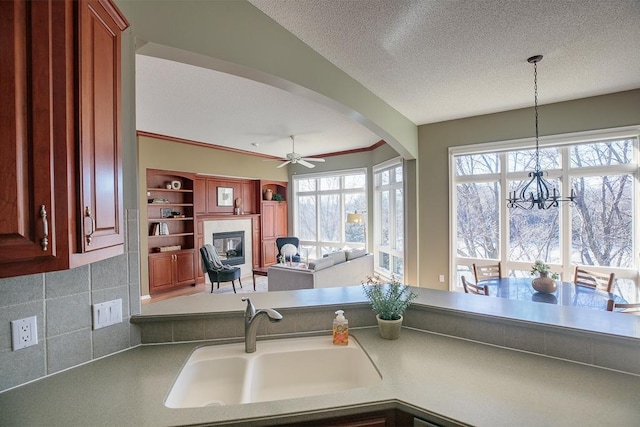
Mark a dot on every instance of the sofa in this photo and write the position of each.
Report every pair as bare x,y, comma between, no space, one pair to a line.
342,268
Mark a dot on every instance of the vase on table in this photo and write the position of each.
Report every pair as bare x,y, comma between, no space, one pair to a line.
544,284
268,194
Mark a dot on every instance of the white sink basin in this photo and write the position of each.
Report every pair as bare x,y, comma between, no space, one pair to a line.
279,369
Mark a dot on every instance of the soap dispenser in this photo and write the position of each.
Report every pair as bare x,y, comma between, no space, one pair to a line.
340,329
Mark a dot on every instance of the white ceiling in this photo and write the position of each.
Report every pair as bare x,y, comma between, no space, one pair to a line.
430,60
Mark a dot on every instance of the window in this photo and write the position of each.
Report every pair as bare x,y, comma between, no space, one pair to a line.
389,219
322,202
598,230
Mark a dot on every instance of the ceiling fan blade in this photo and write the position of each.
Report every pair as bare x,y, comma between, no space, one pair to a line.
284,164
303,162
314,159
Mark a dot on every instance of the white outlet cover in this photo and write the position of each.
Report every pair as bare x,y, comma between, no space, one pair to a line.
107,313
24,332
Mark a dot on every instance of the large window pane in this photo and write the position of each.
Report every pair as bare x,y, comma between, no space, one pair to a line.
398,241
525,160
604,153
305,185
602,221
307,216
384,218
329,211
354,232
477,164
355,181
534,234
478,220
330,183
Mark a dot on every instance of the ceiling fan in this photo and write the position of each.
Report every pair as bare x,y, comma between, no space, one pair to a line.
294,157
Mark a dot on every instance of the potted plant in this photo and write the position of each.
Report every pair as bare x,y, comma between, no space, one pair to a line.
389,301
543,283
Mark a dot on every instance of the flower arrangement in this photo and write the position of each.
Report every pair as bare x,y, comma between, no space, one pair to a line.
543,269
388,300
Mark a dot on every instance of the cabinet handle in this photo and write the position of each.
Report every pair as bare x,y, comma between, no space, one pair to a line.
87,215
44,242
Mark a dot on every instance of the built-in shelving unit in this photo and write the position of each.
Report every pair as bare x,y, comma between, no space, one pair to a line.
171,229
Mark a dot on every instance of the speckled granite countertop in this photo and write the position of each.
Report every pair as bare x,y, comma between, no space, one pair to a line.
460,380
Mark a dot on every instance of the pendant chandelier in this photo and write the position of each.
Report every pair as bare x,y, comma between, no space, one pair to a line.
538,192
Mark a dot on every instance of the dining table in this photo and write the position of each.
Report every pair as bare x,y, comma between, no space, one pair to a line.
567,293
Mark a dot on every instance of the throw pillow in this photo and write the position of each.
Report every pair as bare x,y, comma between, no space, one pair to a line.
337,257
320,264
356,253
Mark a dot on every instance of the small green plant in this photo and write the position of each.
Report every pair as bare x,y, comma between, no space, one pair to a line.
278,197
388,300
543,268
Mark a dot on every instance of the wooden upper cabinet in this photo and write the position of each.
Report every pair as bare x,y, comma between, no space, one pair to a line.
100,127
28,218
60,135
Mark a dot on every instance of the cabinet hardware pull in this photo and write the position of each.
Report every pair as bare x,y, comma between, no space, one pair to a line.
87,214
44,242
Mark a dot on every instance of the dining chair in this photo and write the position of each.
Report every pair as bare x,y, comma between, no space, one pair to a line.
488,271
470,288
593,279
632,308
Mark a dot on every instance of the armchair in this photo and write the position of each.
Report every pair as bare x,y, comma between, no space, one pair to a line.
281,241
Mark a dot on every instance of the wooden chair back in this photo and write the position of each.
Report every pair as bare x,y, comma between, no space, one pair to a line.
593,279
632,307
470,288
486,272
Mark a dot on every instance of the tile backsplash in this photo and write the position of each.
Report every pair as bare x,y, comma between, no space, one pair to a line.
62,302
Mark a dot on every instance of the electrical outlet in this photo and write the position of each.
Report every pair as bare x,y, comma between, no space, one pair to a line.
442,278
24,332
107,313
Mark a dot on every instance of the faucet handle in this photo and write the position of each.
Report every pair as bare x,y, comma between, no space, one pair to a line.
250,310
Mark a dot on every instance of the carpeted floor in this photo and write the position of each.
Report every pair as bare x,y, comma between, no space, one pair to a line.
247,286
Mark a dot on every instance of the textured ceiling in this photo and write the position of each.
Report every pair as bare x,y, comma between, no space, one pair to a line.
430,60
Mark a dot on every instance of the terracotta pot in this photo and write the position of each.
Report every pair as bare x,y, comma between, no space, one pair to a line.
389,329
544,284
268,194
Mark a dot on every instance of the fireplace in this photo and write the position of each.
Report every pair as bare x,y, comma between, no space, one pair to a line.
230,247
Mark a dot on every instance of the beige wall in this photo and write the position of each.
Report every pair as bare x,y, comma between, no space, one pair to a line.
601,112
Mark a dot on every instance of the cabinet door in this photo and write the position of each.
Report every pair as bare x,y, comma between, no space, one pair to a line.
269,215
160,271
281,220
99,121
27,215
184,268
269,252
255,244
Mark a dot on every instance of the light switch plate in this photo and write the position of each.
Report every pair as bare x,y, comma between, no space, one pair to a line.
24,332
107,313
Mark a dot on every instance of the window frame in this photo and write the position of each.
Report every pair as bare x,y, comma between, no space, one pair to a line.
563,142
390,164
318,243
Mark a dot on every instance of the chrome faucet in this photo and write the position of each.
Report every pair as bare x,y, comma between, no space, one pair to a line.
251,317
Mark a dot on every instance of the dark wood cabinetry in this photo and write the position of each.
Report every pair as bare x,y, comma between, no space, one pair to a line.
273,216
61,137
171,232
170,270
